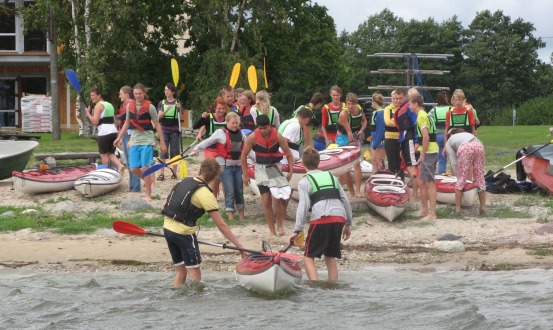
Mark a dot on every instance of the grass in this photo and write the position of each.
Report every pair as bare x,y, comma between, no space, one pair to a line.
542,252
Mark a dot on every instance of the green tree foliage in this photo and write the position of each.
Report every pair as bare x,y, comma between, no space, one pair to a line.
501,61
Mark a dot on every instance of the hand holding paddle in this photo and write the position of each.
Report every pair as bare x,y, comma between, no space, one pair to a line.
175,159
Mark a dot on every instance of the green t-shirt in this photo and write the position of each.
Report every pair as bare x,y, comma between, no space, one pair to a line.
424,122
143,138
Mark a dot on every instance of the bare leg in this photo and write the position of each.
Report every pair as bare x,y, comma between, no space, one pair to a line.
105,159
347,177
195,274
230,215
268,210
286,216
279,212
332,268
310,268
431,188
358,175
180,276
147,185
175,169
458,199
424,198
117,162
163,168
241,215
482,198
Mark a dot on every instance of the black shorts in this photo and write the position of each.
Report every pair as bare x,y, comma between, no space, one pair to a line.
324,239
105,143
184,249
408,152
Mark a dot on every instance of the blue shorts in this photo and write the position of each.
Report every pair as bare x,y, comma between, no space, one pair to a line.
140,156
342,139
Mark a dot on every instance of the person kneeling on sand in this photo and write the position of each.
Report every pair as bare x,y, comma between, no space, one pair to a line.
188,201
331,216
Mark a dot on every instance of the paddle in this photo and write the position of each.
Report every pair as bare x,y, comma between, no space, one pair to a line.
265,73
128,228
297,242
74,82
157,167
252,78
516,161
183,171
234,75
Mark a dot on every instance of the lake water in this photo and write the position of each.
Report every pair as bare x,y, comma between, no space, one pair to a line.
379,297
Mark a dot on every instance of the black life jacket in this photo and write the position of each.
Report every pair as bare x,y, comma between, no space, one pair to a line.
247,119
232,148
179,202
171,118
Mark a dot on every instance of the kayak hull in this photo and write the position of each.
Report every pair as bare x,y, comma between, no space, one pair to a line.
445,191
268,273
387,195
98,182
50,180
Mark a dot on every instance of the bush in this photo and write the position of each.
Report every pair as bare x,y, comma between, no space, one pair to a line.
536,111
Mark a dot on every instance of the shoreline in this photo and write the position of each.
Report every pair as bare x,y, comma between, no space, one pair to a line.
491,242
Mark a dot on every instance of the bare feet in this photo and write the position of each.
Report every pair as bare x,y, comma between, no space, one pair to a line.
422,214
281,232
230,215
429,218
148,199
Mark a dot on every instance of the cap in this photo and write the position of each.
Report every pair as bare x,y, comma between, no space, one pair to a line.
263,120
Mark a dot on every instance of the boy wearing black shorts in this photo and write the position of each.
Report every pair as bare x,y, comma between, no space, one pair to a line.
331,216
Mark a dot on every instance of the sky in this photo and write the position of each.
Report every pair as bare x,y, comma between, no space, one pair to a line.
349,14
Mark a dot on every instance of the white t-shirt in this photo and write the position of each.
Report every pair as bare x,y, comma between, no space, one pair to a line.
292,132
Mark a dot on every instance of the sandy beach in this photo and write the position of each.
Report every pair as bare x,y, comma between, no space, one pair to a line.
490,243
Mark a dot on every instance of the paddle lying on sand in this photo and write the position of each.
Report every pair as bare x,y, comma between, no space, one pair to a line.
128,228
516,161
74,82
173,160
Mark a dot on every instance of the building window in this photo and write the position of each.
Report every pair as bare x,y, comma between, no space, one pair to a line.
7,27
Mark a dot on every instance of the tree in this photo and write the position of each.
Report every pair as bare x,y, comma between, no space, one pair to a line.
501,61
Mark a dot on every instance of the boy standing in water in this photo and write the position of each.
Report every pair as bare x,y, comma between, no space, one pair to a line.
331,216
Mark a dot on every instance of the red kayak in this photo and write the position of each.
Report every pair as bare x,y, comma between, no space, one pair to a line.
49,180
337,161
538,166
268,273
445,188
387,194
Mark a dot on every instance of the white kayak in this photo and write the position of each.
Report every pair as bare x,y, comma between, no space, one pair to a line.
268,273
49,180
98,182
445,188
366,169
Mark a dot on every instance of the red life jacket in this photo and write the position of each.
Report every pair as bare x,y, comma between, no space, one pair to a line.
141,119
122,114
232,148
266,150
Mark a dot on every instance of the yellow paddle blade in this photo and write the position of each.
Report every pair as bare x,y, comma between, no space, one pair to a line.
183,170
174,159
367,155
252,78
235,75
265,73
332,146
175,71
300,239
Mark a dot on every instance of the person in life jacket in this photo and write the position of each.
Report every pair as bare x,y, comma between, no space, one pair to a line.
229,142
186,203
316,102
391,134
246,101
428,158
263,107
439,113
350,126
125,96
211,122
142,115
169,112
406,122
227,93
460,116
330,220
104,118
265,141
329,118
293,131
378,127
